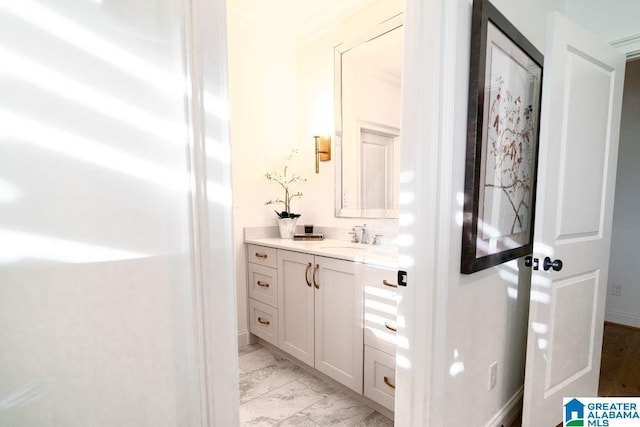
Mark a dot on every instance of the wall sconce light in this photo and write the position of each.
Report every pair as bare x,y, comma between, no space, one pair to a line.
323,150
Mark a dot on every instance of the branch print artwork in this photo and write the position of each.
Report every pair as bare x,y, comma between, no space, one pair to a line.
505,82
508,174
510,139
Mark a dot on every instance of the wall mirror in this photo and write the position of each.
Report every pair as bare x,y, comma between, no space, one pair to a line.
368,80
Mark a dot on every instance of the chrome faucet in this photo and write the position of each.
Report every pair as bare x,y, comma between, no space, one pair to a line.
364,239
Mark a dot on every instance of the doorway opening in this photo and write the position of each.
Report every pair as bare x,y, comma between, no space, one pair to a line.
618,374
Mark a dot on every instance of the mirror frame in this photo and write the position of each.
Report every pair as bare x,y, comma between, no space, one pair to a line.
379,30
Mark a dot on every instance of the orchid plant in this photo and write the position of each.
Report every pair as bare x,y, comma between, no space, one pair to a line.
286,179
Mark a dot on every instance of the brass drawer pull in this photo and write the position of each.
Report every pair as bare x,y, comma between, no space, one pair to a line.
315,283
264,322
264,285
391,285
391,328
306,275
259,255
388,382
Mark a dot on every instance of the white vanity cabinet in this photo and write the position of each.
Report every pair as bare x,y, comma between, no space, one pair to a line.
380,320
320,322
263,292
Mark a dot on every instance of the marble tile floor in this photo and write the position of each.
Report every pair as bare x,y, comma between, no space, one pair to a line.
276,392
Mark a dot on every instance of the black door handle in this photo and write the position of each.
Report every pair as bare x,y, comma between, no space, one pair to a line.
555,265
530,261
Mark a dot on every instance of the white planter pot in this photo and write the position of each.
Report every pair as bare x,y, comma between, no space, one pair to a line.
287,227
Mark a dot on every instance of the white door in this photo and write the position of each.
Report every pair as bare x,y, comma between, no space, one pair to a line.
581,101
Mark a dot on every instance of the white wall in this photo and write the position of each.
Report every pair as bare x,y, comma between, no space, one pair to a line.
262,85
625,241
98,323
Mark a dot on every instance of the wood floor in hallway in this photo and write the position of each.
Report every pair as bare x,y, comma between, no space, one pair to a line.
620,366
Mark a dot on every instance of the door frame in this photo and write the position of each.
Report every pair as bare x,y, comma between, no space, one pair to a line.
426,192
204,53
428,115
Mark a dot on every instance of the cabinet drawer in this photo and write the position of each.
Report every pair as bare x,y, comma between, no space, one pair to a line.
263,321
262,255
379,377
263,284
380,309
380,277
380,336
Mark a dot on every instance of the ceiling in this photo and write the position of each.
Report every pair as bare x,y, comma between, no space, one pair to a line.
297,17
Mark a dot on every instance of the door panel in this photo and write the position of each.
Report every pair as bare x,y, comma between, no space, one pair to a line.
571,355
580,120
583,178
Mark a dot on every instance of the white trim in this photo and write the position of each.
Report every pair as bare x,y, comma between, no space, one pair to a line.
623,318
244,338
195,233
630,45
205,56
509,412
428,126
445,202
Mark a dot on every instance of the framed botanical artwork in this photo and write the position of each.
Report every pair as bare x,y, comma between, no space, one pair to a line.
505,83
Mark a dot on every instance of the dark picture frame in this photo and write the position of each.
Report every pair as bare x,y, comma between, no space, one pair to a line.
505,84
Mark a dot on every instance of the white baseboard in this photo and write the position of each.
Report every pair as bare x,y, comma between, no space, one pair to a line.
622,318
509,411
243,338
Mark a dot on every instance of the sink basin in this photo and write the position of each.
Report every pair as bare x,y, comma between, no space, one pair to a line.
360,247
355,249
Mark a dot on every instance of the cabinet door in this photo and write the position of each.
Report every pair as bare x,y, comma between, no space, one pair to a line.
338,321
295,304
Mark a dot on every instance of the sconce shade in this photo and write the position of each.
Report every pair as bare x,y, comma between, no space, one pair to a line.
323,150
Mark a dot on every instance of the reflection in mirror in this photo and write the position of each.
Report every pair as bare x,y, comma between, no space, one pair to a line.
368,77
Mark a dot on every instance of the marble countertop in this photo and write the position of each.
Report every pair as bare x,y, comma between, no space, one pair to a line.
381,256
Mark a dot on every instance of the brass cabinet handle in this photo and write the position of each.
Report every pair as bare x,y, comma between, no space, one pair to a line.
264,285
388,382
306,275
315,283
391,328
264,322
392,285
259,255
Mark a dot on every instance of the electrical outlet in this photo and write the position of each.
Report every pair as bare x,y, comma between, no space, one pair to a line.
616,289
493,375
